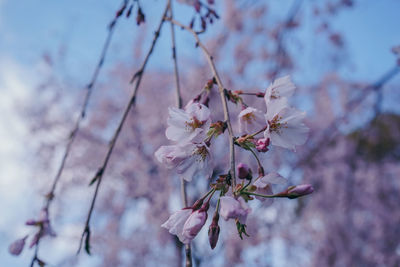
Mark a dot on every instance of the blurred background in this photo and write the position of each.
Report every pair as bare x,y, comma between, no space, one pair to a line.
339,54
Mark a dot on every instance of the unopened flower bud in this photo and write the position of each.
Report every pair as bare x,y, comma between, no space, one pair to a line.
197,204
32,222
300,190
194,224
17,246
262,144
140,18
244,172
213,231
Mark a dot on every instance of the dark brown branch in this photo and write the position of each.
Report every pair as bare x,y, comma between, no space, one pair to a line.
99,175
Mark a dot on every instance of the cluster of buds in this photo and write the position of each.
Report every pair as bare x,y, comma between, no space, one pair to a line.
127,9
192,129
43,228
204,12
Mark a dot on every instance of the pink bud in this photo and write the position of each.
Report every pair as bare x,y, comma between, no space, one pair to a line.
300,190
17,246
194,224
262,144
244,172
31,222
35,240
213,231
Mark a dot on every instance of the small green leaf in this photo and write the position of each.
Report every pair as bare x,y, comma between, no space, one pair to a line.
87,240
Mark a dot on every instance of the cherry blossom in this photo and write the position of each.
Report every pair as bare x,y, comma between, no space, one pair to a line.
264,186
285,126
189,125
251,120
190,160
193,225
176,221
281,87
232,208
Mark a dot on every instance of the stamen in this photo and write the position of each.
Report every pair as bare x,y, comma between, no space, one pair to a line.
249,117
193,124
202,151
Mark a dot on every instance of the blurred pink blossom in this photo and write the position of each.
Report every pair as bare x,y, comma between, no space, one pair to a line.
232,208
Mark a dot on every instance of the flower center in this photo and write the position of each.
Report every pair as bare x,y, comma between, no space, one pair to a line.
274,94
249,117
193,124
275,125
202,151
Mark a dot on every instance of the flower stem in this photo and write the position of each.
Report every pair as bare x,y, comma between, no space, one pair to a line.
222,92
259,195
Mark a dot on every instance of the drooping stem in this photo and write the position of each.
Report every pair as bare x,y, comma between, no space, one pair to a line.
259,195
175,59
99,175
89,89
188,249
222,92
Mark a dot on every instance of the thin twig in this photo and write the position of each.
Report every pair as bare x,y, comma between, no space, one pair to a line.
222,90
188,249
100,172
89,89
175,59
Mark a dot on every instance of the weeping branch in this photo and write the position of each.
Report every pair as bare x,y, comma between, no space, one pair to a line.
222,91
137,78
89,89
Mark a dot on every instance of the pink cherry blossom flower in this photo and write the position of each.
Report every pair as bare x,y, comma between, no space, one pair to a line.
285,125
176,221
232,208
262,144
193,225
281,87
189,125
264,186
189,159
251,120
17,246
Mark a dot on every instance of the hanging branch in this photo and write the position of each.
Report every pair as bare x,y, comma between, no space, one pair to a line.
188,249
222,92
99,174
89,89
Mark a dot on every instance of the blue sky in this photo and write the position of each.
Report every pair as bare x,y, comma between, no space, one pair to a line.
30,28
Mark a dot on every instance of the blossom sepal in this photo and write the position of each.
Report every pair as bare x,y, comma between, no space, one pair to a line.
216,129
241,228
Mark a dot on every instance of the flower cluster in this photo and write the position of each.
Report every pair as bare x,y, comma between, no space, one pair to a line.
192,131
190,155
